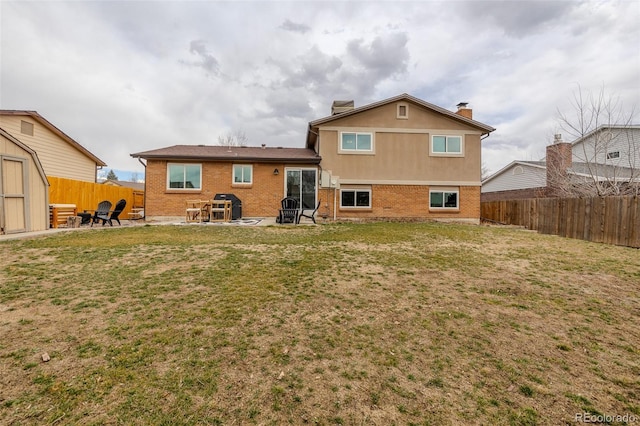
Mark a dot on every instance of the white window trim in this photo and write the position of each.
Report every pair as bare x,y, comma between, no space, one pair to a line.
168,184
233,174
356,151
406,109
354,190
443,191
446,154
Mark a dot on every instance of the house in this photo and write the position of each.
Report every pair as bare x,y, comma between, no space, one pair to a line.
398,158
604,162
24,190
59,154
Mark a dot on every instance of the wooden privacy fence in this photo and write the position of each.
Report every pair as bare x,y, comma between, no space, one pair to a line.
611,220
87,195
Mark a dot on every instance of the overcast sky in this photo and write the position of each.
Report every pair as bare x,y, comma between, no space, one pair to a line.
130,76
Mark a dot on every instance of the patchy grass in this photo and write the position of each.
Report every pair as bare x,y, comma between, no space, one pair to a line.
376,323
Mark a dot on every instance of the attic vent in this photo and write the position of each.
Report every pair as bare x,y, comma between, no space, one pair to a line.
26,128
339,107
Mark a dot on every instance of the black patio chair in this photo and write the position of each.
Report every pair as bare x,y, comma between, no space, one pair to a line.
289,211
102,212
311,215
115,214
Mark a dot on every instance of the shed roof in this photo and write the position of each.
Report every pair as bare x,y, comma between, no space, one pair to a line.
232,153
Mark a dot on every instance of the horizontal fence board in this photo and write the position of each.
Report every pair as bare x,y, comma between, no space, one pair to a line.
610,220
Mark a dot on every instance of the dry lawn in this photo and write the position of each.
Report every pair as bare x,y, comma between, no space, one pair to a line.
376,324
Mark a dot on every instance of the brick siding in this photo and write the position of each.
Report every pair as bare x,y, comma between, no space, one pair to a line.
262,198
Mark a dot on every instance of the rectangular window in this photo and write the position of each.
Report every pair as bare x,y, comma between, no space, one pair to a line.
446,144
356,142
184,176
443,199
355,198
26,128
242,173
613,154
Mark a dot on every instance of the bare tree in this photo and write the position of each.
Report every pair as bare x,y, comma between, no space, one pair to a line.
485,172
236,138
607,159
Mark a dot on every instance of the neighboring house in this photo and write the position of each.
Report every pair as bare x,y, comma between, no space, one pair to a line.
609,155
397,158
136,186
34,150
23,188
60,155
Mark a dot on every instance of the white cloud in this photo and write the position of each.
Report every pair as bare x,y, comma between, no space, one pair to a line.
123,77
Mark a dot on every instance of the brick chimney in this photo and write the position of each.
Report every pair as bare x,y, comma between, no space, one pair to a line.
559,160
464,111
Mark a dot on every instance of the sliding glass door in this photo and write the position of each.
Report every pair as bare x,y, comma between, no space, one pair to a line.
301,184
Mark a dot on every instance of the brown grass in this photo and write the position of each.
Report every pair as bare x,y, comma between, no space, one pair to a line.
379,323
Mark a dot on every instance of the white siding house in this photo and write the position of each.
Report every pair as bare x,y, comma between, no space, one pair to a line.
612,146
517,175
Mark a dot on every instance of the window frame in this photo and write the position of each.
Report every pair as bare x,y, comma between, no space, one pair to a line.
355,198
184,177
446,152
444,192
233,174
613,155
343,150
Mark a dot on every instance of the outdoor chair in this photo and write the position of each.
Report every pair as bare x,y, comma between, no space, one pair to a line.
115,214
311,215
102,213
289,211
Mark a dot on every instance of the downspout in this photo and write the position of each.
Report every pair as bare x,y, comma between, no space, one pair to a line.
145,187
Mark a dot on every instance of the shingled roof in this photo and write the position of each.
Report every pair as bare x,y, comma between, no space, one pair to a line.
233,153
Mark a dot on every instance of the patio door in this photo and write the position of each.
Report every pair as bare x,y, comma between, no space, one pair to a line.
301,184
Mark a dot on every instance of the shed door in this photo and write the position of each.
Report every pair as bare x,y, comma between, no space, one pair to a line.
13,200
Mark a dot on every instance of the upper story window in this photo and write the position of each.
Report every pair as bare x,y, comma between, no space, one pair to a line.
446,144
242,173
403,111
184,176
356,142
613,154
26,128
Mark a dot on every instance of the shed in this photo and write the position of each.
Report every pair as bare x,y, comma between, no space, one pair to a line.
24,189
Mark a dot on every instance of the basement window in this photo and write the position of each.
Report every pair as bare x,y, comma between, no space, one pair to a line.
443,199
355,198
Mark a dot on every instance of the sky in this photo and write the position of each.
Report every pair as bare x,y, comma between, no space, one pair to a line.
121,77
